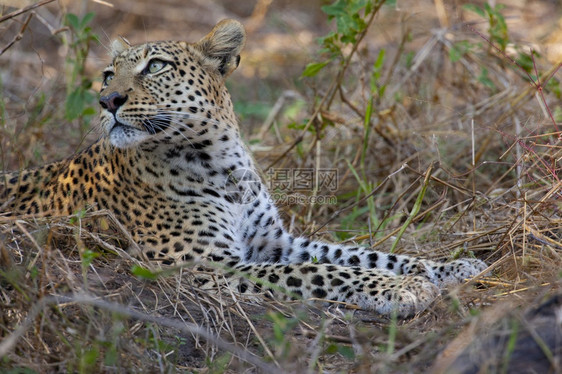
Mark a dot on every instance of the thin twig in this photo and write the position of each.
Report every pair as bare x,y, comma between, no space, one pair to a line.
18,37
24,10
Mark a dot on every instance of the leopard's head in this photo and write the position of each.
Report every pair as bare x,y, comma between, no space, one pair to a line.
169,92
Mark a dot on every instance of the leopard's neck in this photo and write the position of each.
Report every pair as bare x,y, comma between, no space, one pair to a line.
205,162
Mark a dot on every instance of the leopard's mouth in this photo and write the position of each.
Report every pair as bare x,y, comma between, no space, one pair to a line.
121,125
152,126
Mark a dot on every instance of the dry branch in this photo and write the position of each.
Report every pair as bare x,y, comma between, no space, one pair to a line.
24,10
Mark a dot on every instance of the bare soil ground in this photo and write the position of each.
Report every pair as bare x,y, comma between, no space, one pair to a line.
457,118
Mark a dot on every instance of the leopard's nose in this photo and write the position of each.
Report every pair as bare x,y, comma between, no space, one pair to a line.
113,101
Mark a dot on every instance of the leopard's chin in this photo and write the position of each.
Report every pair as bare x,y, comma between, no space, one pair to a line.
124,136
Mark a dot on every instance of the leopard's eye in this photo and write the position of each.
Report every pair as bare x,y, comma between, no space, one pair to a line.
107,77
154,66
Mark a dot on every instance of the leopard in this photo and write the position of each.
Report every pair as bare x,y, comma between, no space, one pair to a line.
172,167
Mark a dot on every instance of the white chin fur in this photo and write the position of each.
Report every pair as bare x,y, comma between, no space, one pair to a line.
126,137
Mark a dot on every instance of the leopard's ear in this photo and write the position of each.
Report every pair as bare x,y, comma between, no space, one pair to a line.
118,45
222,46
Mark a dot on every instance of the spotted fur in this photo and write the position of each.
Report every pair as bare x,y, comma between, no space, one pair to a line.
173,169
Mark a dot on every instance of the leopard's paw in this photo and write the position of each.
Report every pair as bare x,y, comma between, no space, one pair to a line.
405,295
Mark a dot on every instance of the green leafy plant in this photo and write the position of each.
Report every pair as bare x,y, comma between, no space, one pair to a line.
80,98
344,350
497,28
498,38
282,327
144,273
353,18
460,49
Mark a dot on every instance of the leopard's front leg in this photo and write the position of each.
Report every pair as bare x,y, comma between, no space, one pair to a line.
371,289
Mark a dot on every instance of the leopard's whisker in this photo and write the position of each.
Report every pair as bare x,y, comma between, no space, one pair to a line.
185,115
163,125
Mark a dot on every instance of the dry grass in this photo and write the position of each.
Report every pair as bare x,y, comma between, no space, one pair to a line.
488,157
